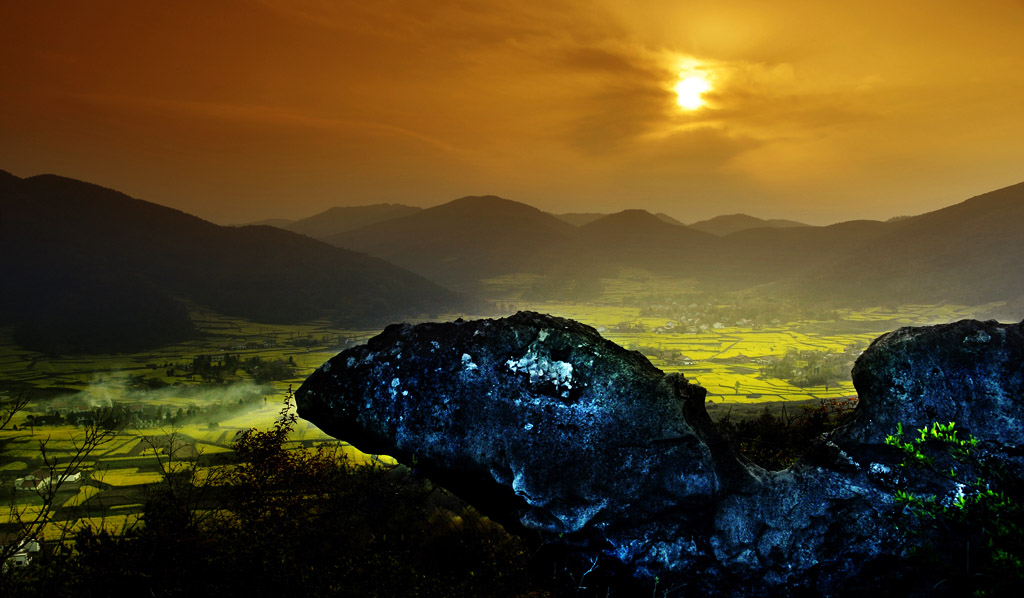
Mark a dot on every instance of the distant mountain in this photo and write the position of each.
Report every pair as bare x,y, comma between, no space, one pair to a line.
639,239
579,218
971,253
90,269
758,256
724,225
464,240
666,218
278,222
342,219
582,218
967,253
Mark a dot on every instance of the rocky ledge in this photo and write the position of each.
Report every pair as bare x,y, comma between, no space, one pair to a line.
541,420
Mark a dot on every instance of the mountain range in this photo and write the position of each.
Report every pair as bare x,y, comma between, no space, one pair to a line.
92,269
733,223
966,253
582,218
969,253
342,219
462,241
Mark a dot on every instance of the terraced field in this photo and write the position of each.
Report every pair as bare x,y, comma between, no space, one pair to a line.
721,346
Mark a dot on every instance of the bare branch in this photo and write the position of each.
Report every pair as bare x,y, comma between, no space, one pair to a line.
11,405
31,522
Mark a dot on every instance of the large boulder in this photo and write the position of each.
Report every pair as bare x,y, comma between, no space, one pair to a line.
539,420
969,372
582,431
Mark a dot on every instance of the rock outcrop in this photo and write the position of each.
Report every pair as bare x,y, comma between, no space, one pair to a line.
541,419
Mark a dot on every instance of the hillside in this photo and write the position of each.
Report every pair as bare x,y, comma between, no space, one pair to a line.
462,241
278,222
96,270
728,224
666,218
763,255
969,253
579,218
583,218
341,219
86,258
639,239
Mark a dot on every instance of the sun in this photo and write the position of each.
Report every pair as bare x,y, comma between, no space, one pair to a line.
689,90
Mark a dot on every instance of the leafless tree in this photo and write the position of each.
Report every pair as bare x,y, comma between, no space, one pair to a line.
185,484
30,521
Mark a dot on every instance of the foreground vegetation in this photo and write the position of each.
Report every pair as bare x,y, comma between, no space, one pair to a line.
202,392
974,537
776,440
277,519
281,521
148,431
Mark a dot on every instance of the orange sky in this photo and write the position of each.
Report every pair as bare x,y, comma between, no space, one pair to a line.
237,110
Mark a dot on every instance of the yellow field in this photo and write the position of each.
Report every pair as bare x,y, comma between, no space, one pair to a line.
113,523
724,357
130,476
84,494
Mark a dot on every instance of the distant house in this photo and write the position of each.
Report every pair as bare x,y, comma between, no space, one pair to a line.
27,483
27,548
41,478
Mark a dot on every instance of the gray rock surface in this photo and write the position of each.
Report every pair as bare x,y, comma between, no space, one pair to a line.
540,418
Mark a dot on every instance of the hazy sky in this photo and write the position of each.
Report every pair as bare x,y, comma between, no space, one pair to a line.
237,110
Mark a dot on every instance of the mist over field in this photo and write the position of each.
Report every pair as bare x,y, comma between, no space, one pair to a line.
119,388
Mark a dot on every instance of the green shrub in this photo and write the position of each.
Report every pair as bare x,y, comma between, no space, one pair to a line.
971,537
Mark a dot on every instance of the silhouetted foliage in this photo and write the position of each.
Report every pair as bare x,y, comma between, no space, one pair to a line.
291,522
777,441
811,368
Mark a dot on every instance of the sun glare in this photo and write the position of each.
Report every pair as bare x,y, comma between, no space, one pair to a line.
689,90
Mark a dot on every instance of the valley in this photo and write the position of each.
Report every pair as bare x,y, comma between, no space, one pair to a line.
140,341
185,402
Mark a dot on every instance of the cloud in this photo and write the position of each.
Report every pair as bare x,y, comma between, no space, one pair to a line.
334,101
268,116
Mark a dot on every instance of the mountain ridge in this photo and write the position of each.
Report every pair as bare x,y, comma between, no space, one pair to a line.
341,219
967,253
77,246
727,224
461,241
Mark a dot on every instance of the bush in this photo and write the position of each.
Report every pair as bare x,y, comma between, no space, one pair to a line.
776,442
290,522
973,537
